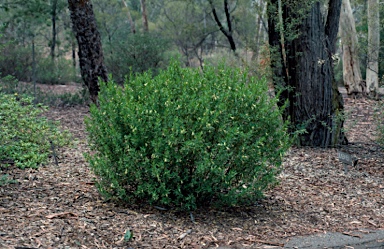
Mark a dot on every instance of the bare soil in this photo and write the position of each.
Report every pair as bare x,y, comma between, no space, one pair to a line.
60,207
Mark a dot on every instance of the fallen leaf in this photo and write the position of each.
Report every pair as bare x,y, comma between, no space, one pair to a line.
64,215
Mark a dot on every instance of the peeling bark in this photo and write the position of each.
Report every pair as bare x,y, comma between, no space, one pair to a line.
351,65
372,78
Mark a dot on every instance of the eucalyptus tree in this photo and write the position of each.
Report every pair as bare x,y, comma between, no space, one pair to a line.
249,24
144,15
351,64
372,77
302,36
91,55
225,26
23,25
131,22
111,17
188,25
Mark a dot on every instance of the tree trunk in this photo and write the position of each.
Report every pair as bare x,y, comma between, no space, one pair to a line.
73,44
227,32
351,65
278,65
372,77
90,51
144,15
54,33
314,102
130,20
260,32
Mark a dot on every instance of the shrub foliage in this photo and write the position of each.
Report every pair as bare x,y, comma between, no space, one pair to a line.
187,139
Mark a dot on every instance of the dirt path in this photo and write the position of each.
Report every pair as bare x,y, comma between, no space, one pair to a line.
59,207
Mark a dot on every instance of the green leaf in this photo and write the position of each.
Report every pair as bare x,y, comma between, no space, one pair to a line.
128,235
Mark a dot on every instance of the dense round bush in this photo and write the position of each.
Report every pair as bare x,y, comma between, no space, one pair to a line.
187,139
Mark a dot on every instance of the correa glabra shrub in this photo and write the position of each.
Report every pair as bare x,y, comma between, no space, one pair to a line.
187,139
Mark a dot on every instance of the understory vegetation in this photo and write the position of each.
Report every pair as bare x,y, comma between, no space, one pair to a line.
27,138
24,65
187,139
10,85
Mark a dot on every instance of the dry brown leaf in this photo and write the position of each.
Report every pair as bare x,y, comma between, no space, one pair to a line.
353,234
63,215
183,235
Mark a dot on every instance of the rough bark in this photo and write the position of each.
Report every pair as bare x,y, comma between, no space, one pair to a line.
351,65
314,102
89,44
372,78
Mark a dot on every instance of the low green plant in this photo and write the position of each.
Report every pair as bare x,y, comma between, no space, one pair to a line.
5,180
25,134
59,72
10,85
187,139
16,61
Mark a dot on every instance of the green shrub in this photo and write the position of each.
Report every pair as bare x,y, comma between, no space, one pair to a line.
5,180
16,61
187,139
136,53
25,135
60,72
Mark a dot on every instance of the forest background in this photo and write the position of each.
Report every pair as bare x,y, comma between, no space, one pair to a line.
38,42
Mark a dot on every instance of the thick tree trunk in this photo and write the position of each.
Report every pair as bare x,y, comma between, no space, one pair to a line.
351,65
315,103
90,51
372,77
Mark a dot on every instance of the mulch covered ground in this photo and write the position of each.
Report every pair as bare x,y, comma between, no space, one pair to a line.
59,206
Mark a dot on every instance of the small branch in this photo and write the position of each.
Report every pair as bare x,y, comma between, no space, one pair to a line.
54,153
228,33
